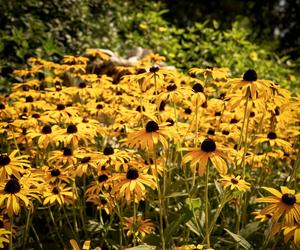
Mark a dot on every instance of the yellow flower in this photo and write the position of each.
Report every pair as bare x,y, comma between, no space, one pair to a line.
273,140
292,232
98,53
148,137
4,237
284,204
140,228
15,193
233,182
12,165
58,193
208,151
215,73
257,88
131,185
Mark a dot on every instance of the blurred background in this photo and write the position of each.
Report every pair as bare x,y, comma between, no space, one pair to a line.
264,35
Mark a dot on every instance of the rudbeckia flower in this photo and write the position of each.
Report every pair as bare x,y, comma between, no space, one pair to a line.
59,193
258,88
4,237
148,137
12,165
131,184
15,193
233,182
284,204
207,151
292,233
139,228
215,73
273,140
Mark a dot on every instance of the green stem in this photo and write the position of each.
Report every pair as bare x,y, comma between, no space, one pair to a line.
56,228
207,209
134,221
26,230
37,237
160,203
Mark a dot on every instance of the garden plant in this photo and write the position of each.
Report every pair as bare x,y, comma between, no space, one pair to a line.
102,156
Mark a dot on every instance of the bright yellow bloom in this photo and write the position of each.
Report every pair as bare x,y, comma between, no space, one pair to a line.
140,228
208,151
284,204
233,182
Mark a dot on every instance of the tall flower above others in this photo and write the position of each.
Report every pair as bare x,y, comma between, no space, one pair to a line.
284,204
149,136
131,184
261,88
208,151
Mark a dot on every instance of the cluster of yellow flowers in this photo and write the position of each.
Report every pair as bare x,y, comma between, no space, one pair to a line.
120,138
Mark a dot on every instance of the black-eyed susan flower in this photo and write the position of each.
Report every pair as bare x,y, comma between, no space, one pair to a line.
233,182
4,237
139,227
189,247
272,139
64,156
46,135
16,193
292,233
215,73
257,88
12,165
208,150
150,136
59,193
73,136
131,185
57,174
283,204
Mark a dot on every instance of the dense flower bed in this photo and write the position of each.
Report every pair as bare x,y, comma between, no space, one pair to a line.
121,156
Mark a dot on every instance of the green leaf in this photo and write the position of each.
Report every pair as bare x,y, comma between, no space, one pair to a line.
193,203
185,215
250,229
239,239
142,247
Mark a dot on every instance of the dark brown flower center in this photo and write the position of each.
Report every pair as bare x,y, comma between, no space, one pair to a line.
36,116
152,126
82,85
55,172
225,132
2,106
218,113
154,69
170,121
46,129
208,145
288,199
272,135
198,88
252,114
171,87
250,75
108,150
85,159
99,106
234,181
211,131
233,121
102,178
140,109
12,186
4,160
72,129
162,106
68,152
188,111
29,99
132,174
60,107
55,190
